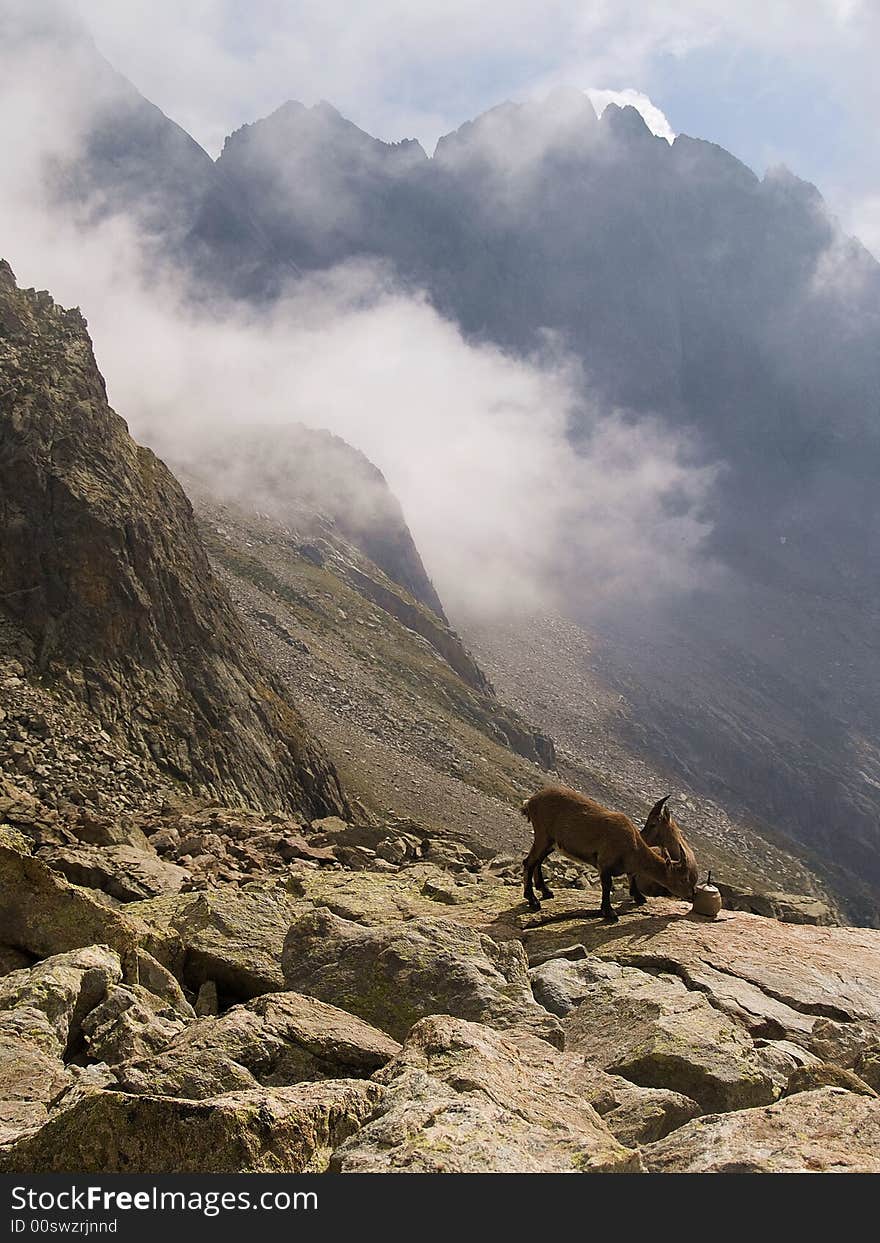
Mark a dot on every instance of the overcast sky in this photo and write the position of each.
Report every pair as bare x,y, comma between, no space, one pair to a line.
792,81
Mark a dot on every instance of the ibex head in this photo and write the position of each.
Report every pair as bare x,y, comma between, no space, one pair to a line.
658,815
681,879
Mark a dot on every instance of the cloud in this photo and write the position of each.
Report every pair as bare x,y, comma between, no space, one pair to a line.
651,114
473,440
863,220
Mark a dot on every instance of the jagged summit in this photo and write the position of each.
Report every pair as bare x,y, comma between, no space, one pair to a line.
294,125
626,122
515,134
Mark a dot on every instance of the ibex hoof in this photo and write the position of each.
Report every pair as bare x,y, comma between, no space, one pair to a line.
546,893
534,905
610,918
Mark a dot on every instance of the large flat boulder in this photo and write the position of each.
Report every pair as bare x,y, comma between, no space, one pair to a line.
264,1131
125,872
463,1098
395,974
779,980
481,901
828,1131
657,1033
275,1040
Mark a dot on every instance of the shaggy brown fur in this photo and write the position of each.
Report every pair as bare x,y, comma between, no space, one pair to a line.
586,831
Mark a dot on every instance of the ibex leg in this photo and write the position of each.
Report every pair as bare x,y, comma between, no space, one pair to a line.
546,891
606,908
531,865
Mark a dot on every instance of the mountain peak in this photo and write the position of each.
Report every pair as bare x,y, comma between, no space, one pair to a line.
625,122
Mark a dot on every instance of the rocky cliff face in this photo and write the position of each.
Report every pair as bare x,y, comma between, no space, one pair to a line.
101,566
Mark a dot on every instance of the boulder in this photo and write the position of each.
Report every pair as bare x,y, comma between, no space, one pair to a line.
451,855
104,831
43,914
827,1131
846,1044
826,1075
264,1131
792,908
125,872
420,889
463,1098
294,846
207,1003
655,1032
129,1024
162,984
634,1115
781,981
29,1080
781,1058
43,1009
275,1040
395,974
561,984
229,935
868,1067
45,1005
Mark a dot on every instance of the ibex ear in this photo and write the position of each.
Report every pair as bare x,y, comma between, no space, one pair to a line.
664,811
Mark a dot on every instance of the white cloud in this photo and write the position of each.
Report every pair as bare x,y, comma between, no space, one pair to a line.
863,221
653,116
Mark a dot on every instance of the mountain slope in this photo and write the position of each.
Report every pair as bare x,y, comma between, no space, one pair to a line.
412,723
102,567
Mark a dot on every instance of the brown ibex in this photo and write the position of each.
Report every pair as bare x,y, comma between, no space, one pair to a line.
587,832
661,831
